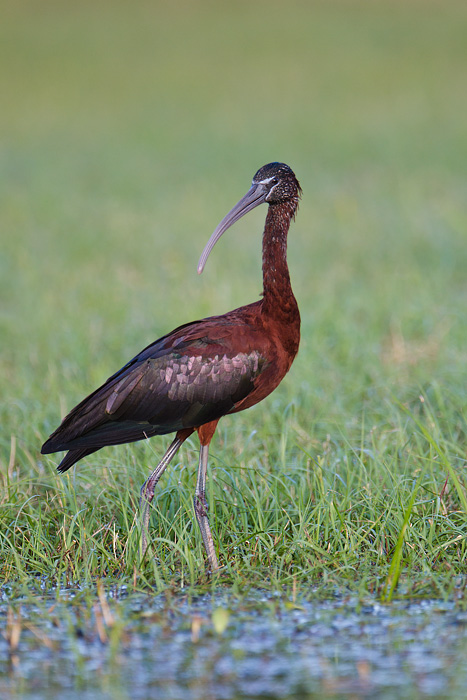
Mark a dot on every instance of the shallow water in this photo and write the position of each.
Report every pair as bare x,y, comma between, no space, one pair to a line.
261,646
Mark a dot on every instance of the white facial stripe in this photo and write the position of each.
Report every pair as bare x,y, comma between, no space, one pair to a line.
266,181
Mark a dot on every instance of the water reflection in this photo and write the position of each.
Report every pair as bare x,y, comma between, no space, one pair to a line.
225,648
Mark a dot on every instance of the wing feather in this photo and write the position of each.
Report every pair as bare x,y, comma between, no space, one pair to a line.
183,380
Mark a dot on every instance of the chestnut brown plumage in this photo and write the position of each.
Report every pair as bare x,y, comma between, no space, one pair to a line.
190,378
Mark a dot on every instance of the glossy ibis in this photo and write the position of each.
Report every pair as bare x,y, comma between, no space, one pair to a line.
190,378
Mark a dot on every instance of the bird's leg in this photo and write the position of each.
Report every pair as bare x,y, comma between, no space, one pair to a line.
201,508
147,490
205,434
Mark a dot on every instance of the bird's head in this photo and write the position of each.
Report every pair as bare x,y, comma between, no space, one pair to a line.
278,183
274,183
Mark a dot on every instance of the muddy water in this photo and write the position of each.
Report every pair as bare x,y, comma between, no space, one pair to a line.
221,647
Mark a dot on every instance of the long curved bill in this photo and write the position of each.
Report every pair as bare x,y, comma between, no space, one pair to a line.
255,196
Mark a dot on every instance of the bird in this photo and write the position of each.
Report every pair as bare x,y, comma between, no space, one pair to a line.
190,378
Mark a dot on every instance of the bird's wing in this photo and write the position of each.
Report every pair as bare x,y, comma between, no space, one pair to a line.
185,379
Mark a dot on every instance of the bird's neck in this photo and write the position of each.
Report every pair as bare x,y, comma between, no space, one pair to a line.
278,298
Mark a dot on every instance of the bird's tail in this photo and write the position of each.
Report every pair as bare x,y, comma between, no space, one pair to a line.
71,457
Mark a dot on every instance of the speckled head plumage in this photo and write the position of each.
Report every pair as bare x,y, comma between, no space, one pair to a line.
280,181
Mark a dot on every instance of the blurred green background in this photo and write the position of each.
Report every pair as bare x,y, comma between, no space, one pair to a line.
128,130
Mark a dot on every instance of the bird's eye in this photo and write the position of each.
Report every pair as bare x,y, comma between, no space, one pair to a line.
275,181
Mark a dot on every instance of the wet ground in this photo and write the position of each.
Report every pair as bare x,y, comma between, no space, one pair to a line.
221,647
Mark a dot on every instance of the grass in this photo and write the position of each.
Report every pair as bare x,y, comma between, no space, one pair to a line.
126,135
